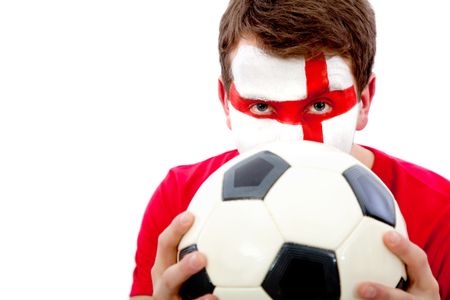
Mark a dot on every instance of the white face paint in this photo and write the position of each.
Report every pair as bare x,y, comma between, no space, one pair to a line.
294,93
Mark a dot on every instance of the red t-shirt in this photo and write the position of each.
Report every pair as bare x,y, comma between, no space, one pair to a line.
423,198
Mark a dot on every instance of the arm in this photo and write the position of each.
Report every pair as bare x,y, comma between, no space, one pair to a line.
422,283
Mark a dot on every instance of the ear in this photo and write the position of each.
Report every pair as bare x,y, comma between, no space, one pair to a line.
366,99
224,102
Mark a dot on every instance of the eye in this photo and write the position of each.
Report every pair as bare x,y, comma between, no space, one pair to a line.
261,108
319,107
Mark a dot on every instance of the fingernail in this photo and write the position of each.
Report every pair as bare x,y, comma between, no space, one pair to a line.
186,218
394,237
369,292
194,261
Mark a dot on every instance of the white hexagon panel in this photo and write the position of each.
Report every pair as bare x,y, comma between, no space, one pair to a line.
243,239
210,195
363,258
312,192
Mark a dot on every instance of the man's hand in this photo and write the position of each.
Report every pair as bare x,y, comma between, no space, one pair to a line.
422,284
167,274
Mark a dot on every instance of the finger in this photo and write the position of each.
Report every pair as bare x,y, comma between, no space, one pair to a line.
168,240
174,276
381,292
415,259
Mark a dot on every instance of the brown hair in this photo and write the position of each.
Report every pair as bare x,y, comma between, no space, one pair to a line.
293,28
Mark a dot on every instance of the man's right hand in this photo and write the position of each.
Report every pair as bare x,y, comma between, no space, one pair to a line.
167,274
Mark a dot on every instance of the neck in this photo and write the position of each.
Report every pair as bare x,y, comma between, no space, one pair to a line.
363,155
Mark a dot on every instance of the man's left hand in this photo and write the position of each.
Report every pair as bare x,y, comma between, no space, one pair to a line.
422,284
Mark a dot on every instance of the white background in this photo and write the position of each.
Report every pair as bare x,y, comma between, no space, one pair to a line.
99,98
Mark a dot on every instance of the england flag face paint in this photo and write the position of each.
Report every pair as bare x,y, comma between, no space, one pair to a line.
291,99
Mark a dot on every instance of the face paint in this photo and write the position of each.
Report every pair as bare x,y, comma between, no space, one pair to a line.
291,99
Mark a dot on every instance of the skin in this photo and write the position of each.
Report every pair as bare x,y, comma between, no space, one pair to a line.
291,99
168,275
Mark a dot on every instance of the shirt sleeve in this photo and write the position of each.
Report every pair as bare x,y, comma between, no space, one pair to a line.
157,217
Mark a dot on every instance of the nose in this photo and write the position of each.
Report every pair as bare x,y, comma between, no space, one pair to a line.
291,133
313,132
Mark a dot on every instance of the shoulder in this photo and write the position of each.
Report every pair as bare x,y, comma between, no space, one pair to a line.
177,189
200,170
397,173
182,182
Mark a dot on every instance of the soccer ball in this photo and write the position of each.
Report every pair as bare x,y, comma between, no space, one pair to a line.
292,220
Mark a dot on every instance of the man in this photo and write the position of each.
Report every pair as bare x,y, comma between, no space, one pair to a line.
300,69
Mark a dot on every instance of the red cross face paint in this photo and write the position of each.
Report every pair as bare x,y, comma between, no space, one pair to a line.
291,99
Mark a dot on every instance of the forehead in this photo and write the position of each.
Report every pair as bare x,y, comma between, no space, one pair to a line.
258,75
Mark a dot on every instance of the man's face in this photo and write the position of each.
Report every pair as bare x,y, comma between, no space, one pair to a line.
274,99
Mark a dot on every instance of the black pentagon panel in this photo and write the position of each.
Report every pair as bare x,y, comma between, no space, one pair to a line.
252,173
198,284
402,284
302,272
253,177
375,200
